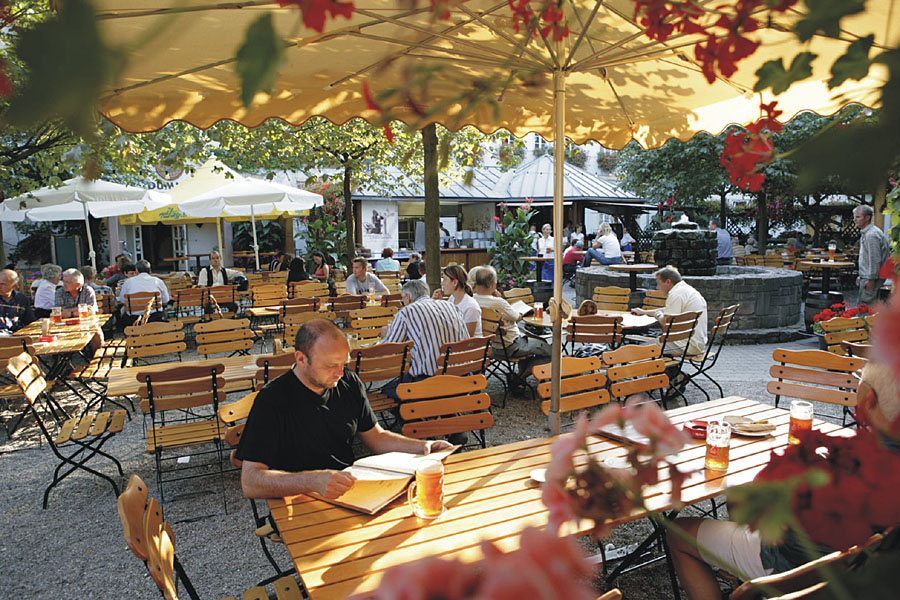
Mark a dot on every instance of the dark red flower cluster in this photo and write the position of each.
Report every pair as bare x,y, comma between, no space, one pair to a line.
860,498
842,309
889,270
747,151
6,85
548,19
315,12
441,8
372,105
725,42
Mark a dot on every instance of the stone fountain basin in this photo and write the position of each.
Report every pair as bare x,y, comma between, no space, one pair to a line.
769,298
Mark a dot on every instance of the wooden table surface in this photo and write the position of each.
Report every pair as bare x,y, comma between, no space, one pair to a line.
636,267
629,321
239,374
69,338
827,264
489,495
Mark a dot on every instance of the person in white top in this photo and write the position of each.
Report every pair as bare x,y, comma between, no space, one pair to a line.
363,282
215,273
535,351
45,292
145,282
454,285
545,245
627,241
680,298
606,248
577,235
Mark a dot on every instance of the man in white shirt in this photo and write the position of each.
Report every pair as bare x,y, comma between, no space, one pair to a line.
45,293
681,298
215,274
145,282
363,282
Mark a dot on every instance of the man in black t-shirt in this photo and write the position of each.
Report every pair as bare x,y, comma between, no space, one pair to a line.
299,433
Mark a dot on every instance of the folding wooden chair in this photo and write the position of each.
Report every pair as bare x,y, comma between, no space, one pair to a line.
189,304
654,299
223,297
594,329
84,436
582,384
842,329
153,340
342,305
471,356
514,294
176,399
611,298
703,363
379,364
392,300
444,405
152,541
504,366
816,376
225,335
298,304
368,322
270,367
309,289
291,324
9,389
635,369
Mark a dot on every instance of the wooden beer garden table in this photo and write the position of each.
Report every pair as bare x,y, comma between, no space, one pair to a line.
489,495
632,271
826,264
69,338
539,264
629,321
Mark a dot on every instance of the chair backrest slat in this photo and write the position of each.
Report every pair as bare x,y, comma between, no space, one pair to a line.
445,404
635,369
465,357
815,375
582,384
381,361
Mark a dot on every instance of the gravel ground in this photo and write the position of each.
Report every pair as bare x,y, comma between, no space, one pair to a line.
74,549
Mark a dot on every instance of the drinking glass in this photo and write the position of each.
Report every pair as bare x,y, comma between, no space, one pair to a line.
84,311
538,310
718,441
832,247
426,494
56,314
801,420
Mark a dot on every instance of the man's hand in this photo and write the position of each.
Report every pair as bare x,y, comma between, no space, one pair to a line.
640,311
331,484
437,446
869,285
437,294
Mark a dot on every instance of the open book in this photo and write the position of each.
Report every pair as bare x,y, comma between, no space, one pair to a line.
381,478
521,308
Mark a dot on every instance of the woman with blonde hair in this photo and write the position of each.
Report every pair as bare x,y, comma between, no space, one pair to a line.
454,285
606,248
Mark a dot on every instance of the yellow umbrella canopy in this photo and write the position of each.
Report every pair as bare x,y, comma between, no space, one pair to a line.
620,85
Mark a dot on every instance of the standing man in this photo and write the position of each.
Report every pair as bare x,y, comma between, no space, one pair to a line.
874,249
144,282
299,433
15,308
723,242
363,282
215,274
680,298
73,292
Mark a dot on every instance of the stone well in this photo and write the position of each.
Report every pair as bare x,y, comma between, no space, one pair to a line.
691,249
769,298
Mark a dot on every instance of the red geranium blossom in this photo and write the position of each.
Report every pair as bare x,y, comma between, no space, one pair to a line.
315,12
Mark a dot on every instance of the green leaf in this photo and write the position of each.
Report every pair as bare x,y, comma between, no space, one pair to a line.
852,65
258,58
773,75
825,16
68,66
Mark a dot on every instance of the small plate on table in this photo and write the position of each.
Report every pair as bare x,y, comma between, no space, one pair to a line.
747,427
538,475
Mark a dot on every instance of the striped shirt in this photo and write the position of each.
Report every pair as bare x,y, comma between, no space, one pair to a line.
429,324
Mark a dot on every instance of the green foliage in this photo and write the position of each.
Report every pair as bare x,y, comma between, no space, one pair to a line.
327,226
542,150
511,154
270,235
576,155
607,161
824,16
513,242
259,58
773,74
854,64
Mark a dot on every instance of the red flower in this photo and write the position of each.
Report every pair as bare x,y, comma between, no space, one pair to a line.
889,269
388,133
367,96
314,11
6,85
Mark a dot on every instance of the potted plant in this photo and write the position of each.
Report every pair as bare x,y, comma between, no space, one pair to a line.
513,242
841,309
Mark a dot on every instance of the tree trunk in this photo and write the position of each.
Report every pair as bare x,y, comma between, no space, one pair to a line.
432,208
762,222
348,214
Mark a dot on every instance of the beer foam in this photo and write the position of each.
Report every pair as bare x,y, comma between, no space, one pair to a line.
429,467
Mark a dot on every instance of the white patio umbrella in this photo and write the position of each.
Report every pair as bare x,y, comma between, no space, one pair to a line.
249,196
77,198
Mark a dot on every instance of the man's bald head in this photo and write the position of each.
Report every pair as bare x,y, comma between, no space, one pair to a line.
9,280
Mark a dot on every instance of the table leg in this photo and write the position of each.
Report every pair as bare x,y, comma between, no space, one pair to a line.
538,271
826,281
632,280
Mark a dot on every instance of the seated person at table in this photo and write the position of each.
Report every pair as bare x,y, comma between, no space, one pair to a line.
627,242
15,307
320,267
363,282
414,268
215,273
300,431
606,249
73,292
571,260
387,262
455,285
121,274
681,298
297,271
45,294
90,276
144,282
734,547
532,350
279,263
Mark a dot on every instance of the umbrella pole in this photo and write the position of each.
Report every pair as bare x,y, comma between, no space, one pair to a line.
90,239
255,242
559,149
219,233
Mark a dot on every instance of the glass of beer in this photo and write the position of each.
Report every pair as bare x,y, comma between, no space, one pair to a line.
801,420
84,311
56,315
718,442
426,494
538,310
832,247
